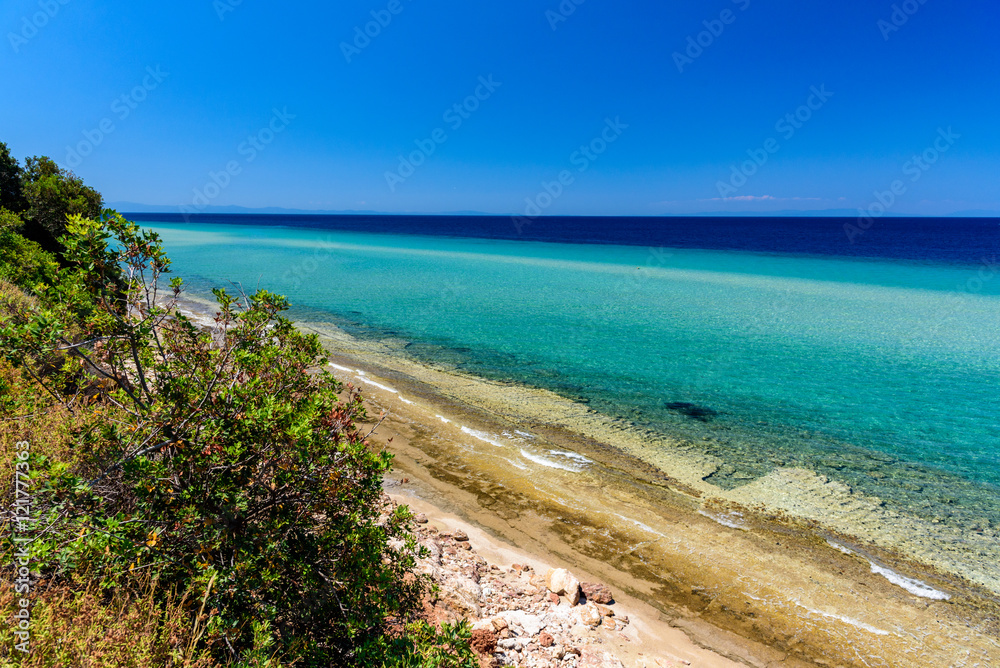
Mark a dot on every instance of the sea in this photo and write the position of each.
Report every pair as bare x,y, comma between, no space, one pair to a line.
866,351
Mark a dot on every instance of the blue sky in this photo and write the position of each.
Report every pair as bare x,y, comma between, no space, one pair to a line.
220,102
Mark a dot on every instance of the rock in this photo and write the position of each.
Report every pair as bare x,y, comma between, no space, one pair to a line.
597,593
591,657
461,536
420,518
553,598
483,641
588,615
560,581
463,597
530,624
499,623
434,548
545,639
609,623
605,611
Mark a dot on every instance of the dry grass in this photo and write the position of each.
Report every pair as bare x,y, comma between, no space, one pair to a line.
75,625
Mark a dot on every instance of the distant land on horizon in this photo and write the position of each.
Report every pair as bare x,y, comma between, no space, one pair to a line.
135,207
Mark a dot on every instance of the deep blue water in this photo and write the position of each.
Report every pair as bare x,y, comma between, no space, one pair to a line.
948,240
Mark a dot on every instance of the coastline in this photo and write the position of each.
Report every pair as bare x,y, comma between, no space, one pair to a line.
761,586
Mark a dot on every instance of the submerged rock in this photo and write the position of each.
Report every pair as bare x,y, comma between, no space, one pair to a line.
693,411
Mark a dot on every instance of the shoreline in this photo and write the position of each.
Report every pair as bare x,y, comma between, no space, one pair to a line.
761,587
649,641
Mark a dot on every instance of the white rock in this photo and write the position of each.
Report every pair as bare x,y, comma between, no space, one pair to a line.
562,582
530,624
588,614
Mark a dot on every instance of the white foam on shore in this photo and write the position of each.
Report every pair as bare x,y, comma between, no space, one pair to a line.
644,527
482,436
443,419
840,547
516,464
731,520
524,433
575,456
379,385
360,375
547,462
840,618
915,587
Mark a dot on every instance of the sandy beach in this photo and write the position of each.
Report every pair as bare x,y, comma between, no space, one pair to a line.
709,579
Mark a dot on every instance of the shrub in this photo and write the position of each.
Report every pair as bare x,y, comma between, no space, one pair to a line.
228,462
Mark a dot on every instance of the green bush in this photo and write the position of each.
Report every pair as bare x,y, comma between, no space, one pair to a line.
228,462
22,262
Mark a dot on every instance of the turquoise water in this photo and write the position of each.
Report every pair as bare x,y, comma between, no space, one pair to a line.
882,374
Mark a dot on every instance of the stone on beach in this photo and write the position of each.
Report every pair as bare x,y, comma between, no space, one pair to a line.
562,582
595,658
483,641
598,593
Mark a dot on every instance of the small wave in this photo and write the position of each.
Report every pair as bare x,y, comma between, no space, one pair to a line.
840,547
547,462
575,456
482,436
642,526
846,620
915,587
340,368
524,433
516,464
405,401
443,419
731,520
378,385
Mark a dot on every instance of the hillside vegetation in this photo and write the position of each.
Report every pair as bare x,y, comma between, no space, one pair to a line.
199,496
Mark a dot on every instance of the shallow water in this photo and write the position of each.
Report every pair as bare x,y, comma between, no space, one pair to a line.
882,374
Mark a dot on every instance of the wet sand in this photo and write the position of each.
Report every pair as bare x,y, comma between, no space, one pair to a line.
748,573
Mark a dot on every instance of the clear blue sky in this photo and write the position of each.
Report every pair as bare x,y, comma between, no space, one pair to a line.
225,67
